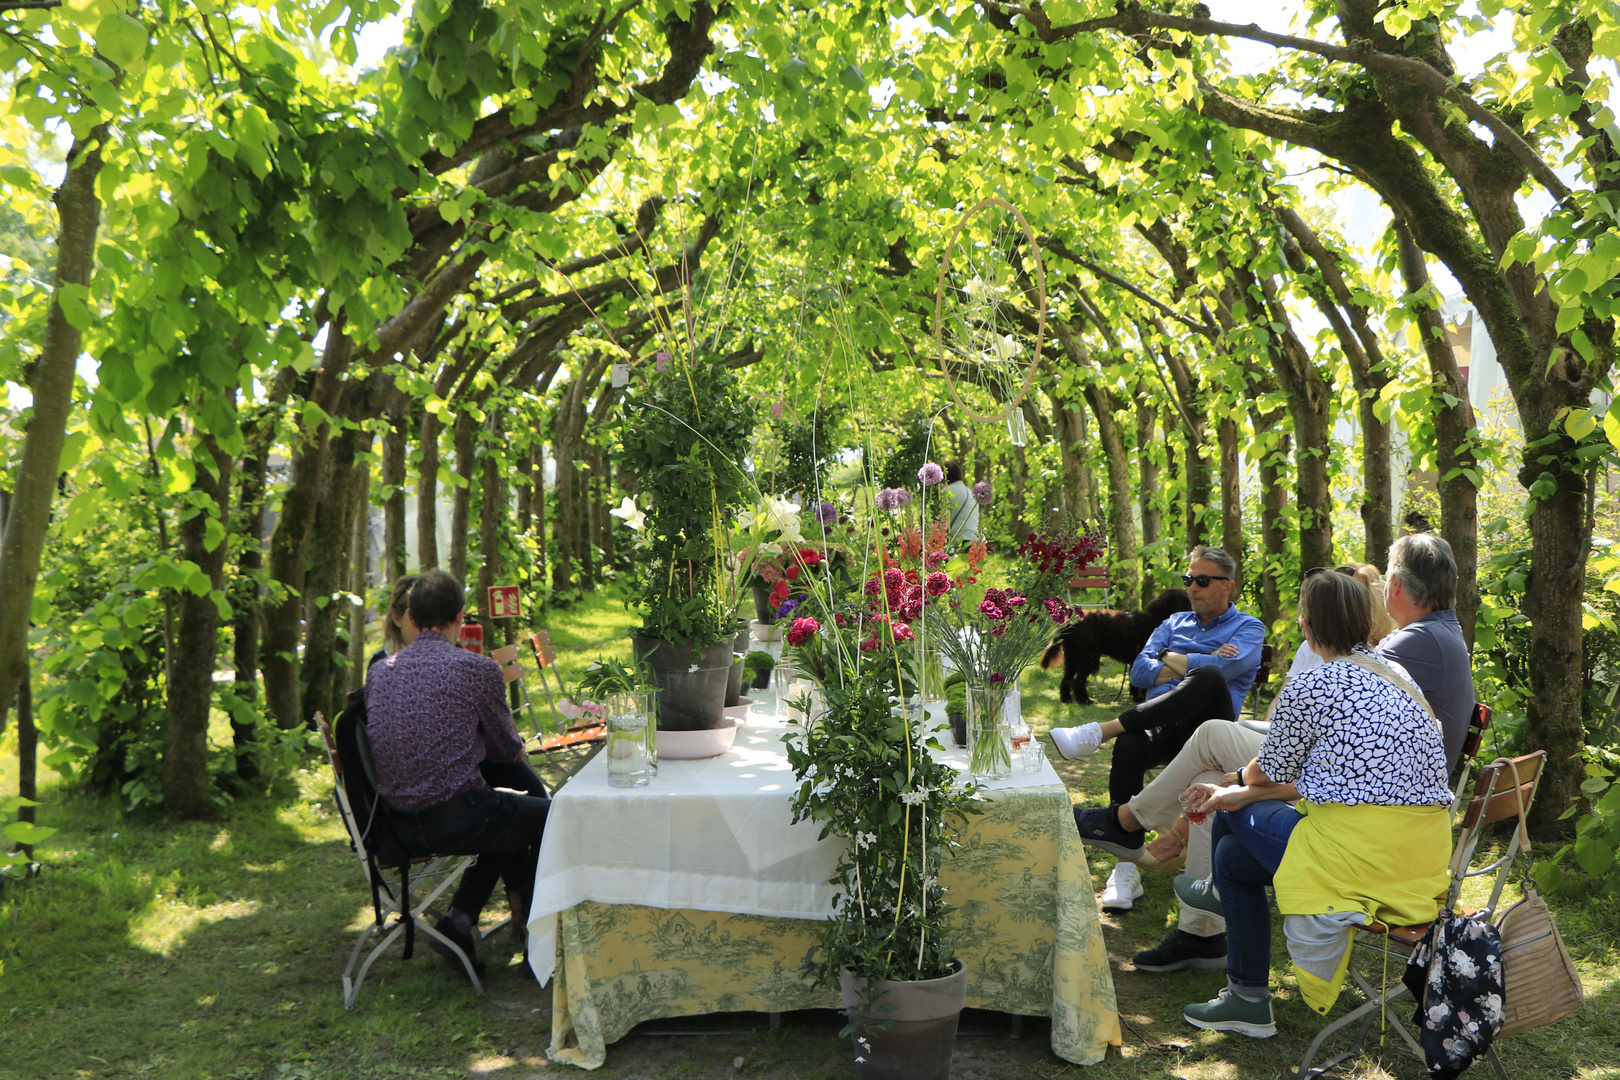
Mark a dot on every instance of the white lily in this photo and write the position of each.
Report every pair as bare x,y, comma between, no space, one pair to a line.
630,514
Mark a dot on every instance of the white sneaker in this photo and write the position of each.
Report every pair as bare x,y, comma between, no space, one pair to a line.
1124,885
1077,742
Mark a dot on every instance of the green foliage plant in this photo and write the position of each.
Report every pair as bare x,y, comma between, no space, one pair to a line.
612,676
683,439
757,662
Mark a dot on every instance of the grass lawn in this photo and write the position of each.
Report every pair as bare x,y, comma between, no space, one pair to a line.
213,949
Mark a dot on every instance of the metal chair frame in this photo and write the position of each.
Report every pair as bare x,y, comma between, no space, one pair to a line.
1495,798
435,873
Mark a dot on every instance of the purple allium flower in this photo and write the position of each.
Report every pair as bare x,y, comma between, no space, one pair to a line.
902,498
884,500
827,513
930,474
981,492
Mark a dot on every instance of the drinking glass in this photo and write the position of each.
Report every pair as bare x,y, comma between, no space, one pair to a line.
627,724
989,742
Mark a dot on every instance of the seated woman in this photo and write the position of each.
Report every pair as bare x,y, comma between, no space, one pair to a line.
1356,744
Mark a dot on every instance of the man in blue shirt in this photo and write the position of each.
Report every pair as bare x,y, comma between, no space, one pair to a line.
1198,665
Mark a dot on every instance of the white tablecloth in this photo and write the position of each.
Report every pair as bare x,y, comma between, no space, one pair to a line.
713,835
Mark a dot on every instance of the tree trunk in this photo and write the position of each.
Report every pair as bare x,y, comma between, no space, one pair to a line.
1231,494
359,576
328,573
491,512
1121,525
427,495
538,502
191,690
461,504
393,480
51,382
1453,431
249,518
1369,372
1147,467
291,543
27,754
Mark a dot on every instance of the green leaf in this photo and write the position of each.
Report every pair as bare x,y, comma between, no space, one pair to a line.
26,832
74,299
121,39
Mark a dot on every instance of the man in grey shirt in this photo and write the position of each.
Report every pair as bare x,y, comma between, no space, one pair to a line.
1421,596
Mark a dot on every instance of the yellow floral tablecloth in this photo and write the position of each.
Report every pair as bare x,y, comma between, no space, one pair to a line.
1027,926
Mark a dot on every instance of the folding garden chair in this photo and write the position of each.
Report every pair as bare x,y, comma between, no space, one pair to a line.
391,875
1496,798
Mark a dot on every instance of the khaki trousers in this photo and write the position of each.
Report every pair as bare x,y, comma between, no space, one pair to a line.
1216,747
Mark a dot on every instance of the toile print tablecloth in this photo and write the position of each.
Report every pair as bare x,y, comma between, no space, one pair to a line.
729,894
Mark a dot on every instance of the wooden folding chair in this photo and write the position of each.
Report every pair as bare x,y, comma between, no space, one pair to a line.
418,882
1496,798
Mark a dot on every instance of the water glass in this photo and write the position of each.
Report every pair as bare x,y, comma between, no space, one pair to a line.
627,724
989,741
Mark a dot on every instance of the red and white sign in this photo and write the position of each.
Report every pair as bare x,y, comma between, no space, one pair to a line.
504,601
472,637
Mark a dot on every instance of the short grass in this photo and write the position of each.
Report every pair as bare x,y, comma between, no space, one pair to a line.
213,949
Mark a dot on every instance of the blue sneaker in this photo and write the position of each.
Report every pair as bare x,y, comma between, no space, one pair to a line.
1198,893
1228,1012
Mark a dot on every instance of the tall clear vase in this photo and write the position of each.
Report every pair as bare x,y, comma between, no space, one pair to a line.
989,737
925,669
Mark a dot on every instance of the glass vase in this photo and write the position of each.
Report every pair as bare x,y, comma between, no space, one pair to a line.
988,736
627,724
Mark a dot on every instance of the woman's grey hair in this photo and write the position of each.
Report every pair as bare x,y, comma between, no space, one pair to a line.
398,605
1337,611
1427,569
1215,555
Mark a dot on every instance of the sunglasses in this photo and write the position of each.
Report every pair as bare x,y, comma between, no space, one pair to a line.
1347,570
1202,579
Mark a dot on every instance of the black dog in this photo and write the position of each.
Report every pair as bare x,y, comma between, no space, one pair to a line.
1119,634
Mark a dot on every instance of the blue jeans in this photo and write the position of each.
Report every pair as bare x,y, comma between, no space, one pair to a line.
503,830
1248,847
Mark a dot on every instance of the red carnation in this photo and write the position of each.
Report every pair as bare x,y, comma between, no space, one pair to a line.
779,592
810,556
938,584
802,630
792,573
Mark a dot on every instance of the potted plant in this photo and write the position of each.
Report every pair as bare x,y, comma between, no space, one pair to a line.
683,439
759,666
866,773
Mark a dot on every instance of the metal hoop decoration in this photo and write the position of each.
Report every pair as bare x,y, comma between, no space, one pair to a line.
939,307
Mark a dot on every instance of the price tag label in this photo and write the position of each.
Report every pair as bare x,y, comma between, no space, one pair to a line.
621,375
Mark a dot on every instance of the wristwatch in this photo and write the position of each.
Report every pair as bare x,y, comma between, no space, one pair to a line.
1164,652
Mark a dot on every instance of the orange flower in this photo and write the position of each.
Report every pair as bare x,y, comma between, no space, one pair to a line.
937,532
976,552
911,544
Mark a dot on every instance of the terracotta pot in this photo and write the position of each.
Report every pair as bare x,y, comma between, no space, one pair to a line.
913,1039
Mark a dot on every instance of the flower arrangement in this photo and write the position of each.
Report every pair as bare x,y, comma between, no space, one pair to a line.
865,772
865,768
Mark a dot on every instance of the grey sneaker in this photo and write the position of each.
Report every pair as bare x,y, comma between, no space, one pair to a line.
1198,893
1099,829
1228,1012
1182,951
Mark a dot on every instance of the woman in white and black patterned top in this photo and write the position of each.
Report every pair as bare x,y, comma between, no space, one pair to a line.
1357,745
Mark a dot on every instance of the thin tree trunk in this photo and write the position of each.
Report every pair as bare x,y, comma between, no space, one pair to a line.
328,573
27,754
538,502
1147,467
1231,494
359,583
427,495
50,380
249,517
191,690
1453,430
393,479
292,541
491,512
461,505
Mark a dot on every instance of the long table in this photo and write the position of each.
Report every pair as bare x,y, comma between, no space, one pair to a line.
696,894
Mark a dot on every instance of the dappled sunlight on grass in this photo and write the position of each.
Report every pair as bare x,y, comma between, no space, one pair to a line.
164,927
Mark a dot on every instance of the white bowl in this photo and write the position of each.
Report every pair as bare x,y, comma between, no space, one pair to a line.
739,711
692,745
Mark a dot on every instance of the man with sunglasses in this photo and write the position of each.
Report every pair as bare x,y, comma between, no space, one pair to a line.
1198,665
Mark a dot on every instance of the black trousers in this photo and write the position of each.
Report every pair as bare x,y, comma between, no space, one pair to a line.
1155,731
502,829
